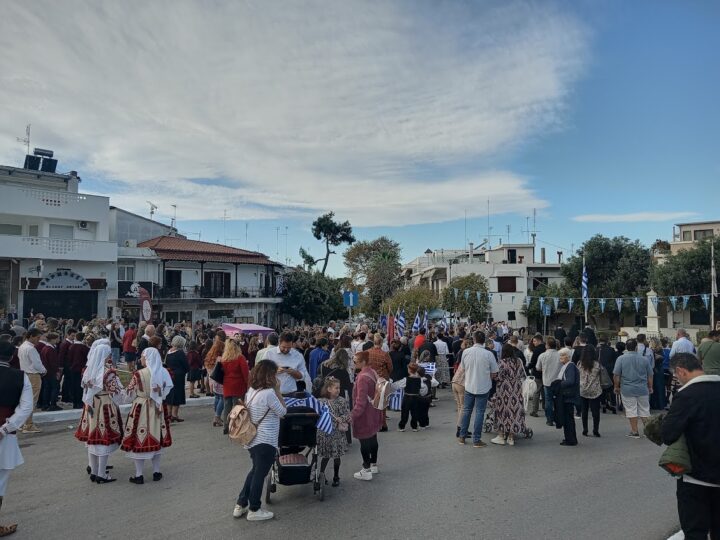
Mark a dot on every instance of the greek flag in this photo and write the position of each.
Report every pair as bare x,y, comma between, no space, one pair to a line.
584,282
429,368
324,423
416,323
425,321
444,324
395,403
401,323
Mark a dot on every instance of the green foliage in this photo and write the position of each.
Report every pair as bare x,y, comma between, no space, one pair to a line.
687,272
469,307
553,290
376,264
308,260
312,297
333,233
411,300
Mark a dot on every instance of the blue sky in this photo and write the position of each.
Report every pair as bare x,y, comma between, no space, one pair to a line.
603,116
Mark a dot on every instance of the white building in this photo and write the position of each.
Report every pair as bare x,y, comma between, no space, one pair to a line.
511,271
56,256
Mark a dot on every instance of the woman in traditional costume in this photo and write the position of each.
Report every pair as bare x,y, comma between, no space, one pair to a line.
100,425
147,430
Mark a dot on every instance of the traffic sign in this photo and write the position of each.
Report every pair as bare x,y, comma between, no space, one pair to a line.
547,310
350,298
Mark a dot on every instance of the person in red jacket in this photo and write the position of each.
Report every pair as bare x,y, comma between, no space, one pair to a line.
195,365
64,363
78,358
366,419
128,347
51,380
236,375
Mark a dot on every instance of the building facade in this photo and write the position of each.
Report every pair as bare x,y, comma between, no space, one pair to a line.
56,257
686,235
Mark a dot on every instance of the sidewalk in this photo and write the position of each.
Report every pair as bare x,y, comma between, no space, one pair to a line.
74,414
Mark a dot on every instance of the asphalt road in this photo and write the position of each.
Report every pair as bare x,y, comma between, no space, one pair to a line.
429,487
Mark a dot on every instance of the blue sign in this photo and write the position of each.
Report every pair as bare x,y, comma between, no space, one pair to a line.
547,310
350,298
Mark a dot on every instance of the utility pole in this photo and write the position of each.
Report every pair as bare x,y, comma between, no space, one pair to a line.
713,285
224,227
277,242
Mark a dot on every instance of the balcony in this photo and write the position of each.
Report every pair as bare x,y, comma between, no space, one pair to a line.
26,201
35,247
197,292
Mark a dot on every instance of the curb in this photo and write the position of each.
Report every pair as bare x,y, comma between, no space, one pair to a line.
74,414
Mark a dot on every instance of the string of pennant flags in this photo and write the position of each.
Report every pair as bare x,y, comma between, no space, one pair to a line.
554,301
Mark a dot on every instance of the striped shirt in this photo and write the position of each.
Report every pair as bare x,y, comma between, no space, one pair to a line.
265,401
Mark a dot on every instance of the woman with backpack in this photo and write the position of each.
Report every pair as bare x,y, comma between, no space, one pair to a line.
266,406
365,418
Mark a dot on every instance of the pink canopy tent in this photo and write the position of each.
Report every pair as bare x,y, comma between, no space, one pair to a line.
245,328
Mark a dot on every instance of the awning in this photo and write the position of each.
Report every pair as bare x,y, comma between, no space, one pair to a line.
245,328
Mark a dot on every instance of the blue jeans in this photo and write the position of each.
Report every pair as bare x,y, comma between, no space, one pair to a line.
219,404
115,356
549,407
479,401
262,456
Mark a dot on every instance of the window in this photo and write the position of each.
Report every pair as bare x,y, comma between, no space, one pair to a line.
539,282
7,228
687,236
126,273
33,230
507,284
61,231
702,233
512,256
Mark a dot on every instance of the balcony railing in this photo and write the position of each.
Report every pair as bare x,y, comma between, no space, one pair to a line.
38,247
182,293
56,204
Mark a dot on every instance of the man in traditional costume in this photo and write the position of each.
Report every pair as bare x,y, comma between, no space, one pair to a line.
16,405
147,430
101,423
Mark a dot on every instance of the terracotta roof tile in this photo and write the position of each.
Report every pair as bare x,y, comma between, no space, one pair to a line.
183,249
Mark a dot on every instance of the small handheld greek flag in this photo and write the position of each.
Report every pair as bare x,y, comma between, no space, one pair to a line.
395,403
324,423
429,368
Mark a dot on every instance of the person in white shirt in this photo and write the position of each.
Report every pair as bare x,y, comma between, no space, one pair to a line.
291,365
271,343
549,364
442,372
357,343
682,344
32,365
480,369
16,404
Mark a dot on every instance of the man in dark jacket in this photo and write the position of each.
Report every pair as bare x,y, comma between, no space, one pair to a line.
538,349
560,334
695,413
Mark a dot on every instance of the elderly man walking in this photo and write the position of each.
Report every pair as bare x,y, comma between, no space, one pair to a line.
633,377
480,369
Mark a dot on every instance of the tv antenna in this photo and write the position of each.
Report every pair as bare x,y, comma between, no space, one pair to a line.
153,207
174,218
532,233
25,140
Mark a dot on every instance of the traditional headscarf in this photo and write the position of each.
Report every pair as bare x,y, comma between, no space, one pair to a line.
159,377
95,370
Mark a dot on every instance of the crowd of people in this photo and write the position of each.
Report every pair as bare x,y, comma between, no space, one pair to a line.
493,374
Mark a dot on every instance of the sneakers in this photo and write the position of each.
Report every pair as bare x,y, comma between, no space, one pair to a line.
479,444
401,429
461,440
362,474
511,441
259,515
415,429
498,440
31,429
239,511
374,469
633,435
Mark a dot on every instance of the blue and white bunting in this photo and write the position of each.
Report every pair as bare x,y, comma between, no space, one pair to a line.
705,298
478,295
542,302
571,303
556,302
455,292
673,301
636,301
586,303
490,297
467,295
685,299
619,303
602,302
655,300
527,301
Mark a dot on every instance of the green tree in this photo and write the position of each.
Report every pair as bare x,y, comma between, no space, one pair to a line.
333,233
470,306
412,299
616,267
687,272
312,297
375,267
550,291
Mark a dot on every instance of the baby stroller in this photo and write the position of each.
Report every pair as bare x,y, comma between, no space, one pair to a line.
490,420
291,467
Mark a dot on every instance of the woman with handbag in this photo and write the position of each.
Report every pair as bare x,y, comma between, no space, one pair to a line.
235,378
215,375
590,389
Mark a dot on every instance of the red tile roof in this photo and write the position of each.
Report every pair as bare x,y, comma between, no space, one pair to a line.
174,248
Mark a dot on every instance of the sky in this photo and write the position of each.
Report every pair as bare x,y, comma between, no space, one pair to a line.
404,117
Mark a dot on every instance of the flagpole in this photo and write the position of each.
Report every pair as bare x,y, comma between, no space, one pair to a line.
713,285
585,303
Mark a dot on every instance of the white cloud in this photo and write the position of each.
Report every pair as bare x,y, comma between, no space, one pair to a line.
300,106
633,218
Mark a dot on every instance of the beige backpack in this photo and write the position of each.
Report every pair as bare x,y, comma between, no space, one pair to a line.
241,428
